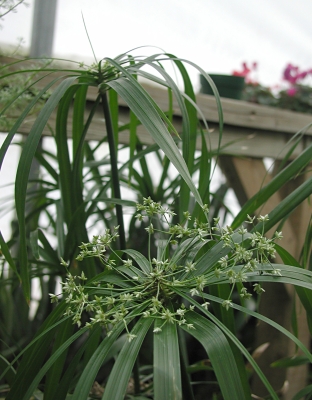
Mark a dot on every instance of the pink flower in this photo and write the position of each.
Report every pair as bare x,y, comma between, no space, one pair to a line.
292,75
246,71
291,91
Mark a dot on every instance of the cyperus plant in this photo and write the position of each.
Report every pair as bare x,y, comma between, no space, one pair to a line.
153,284
189,259
169,295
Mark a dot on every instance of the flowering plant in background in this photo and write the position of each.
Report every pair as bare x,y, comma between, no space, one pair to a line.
293,75
246,72
12,90
296,95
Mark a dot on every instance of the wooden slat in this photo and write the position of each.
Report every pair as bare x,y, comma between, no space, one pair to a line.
242,114
235,141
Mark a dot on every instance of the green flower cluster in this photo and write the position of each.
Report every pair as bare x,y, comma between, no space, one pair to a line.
246,256
100,73
149,283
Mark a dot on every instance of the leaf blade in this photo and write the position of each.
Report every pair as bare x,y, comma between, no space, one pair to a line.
122,369
167,373
23,171
139,102
220,355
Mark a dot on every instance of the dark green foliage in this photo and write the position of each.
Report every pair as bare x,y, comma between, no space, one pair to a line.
84,193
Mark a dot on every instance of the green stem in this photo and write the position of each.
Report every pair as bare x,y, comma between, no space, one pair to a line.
114,169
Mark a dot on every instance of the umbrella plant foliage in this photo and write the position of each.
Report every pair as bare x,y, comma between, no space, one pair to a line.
173,273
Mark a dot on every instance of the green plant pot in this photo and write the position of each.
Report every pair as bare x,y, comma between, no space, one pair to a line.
229,86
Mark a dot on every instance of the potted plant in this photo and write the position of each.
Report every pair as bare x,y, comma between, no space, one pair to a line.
230,86
294,93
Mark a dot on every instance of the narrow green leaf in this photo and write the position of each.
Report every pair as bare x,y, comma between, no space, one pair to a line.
7,255
305,393
103,351
60,233
304,294
63,154
234,339
287,205
115,180
140,103
125,361
228,319
189,129
10,371
186,252
204,172
167,374
146,178
35,353
290,362
211,257
114,109
292,170
68,378
54,373
35,382
33,238
226,316
42,157
220,355
133,140
291,277
49,251
140,259
78,115
186,369
22,175
189,121
79,146
258,316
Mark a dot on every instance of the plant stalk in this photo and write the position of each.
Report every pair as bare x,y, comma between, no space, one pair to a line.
117,194
114,169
